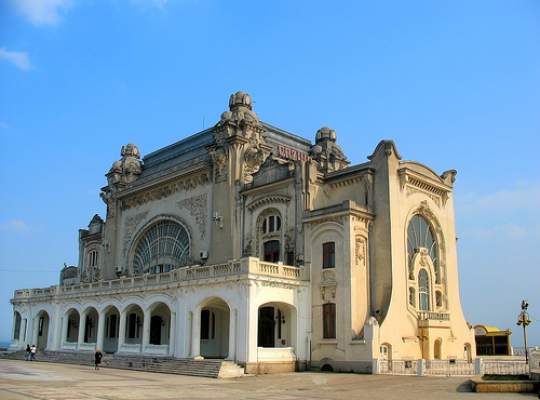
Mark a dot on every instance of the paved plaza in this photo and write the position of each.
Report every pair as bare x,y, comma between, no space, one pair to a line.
36,380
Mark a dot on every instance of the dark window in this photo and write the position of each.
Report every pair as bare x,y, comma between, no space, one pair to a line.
213,325
329,255
271,251
156,323
205,324
271,224
132,321
112,326
278,223
279,318
264,226
17,330
329,321
266,327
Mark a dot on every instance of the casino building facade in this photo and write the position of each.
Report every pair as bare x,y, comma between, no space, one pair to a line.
249,243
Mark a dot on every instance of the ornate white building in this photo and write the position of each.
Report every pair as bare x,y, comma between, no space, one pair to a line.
249,243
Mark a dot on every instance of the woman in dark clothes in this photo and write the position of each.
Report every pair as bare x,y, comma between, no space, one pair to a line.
97,358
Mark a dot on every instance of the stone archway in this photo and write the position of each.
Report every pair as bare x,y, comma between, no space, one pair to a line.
133,334
71,334
112,329
90,325
41,330
214,328
276,325
160,324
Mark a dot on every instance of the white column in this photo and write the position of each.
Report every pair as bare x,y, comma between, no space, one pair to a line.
232,335
251,325
13,338
146,330
172,334
196,333
122,330
100,330
82,327
55,330
65,323
35,329
25,332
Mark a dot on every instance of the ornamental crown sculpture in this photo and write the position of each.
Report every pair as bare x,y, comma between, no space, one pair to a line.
128,168
325,133
240,119
327,152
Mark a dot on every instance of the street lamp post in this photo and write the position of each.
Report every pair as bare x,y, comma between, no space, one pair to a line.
524,320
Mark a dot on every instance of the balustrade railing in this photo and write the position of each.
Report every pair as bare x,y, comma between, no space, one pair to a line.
249,265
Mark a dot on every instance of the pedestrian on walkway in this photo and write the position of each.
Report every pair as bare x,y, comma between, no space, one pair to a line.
97,358
28,353
33,351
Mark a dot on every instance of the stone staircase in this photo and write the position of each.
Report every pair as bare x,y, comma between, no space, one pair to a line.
204,368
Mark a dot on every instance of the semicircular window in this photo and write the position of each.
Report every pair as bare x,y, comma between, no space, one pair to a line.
420,235
164,246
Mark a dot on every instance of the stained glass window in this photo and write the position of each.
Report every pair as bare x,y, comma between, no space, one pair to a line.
420,235
164,246
423,289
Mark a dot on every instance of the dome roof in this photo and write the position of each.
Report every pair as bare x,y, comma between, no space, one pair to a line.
325,133
240,99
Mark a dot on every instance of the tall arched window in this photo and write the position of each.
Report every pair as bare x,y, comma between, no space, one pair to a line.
420,235
164,246
270,236
423,290
92,258
17,329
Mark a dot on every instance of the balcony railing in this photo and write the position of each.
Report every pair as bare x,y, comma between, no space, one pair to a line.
248,266
433,316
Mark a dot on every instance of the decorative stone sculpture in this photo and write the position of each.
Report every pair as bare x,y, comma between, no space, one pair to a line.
128,168
239,128
327,152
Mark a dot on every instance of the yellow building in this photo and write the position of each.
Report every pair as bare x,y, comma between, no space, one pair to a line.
253,244
491,341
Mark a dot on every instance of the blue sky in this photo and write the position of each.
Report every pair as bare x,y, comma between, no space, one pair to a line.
455,83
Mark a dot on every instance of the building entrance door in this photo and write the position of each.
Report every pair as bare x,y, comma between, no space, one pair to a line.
266,337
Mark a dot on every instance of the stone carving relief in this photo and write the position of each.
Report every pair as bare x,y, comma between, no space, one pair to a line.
130,225
328,293
183,184
248,248
328,275
253,159
128,168
198,208
240,131
360,251
219,159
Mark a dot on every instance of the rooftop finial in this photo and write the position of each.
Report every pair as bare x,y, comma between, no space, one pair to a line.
240,99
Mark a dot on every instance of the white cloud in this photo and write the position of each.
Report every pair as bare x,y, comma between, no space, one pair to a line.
18,58
521,197
15,226
507,215
41,12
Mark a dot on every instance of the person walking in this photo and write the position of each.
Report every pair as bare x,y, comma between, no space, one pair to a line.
97,358
33,351
28,353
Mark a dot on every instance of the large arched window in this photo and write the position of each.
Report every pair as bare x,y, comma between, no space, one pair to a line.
423,290
164,246
420,235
